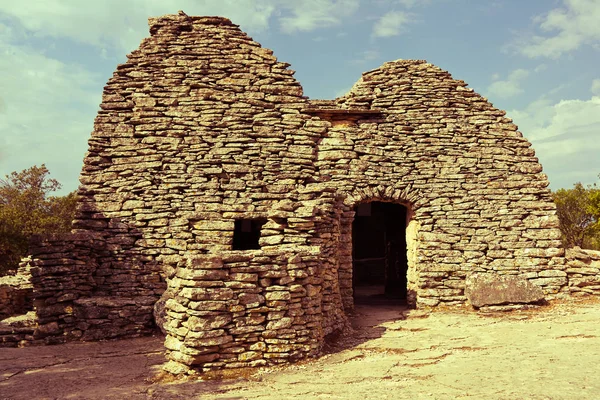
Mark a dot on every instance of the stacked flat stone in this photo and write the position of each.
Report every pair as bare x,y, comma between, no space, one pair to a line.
583,272
16,300
16,291
479,199
82,291
202,127
243,310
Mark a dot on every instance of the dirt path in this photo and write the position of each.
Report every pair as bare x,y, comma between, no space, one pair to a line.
548,354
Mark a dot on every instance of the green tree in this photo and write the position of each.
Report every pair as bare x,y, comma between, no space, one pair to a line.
26,209
578,210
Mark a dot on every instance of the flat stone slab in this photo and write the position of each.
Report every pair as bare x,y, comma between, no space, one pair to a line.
484,289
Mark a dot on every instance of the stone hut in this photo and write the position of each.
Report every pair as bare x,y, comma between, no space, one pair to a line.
260,215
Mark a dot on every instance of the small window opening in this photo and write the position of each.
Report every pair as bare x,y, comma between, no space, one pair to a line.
246,233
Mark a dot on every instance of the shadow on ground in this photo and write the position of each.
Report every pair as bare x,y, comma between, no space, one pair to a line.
128,368
552,352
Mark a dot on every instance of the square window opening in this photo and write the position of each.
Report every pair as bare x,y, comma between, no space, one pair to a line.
246,233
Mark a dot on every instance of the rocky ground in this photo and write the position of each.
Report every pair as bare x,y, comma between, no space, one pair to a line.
549,353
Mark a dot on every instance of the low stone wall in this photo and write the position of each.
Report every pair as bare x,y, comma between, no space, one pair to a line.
68,275
108,317
16,292
62,269
583,271
245,310
18,331
17,320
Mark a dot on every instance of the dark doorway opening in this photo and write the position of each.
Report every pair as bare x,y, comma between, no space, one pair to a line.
379,253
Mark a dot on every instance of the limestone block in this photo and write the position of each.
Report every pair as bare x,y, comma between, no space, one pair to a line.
250,319
202,274
213,225
336,155
172,343
177,244
554,281
206,305
205,262
207,341
281,323
250,355
278,295
258,346
270,240
164,303
487,289
243,277
552,273
47,329
209,322
427,301
539,252
206,293
175,368
583,271
251,300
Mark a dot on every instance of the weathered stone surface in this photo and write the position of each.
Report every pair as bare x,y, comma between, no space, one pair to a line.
16,291
210,173
485,289
160,310
583,271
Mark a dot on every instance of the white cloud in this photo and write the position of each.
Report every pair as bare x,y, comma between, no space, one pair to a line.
122,24
47,113
308,15
413,3
409,3
509,87
596,87
563,30
366,56
391,24
564,135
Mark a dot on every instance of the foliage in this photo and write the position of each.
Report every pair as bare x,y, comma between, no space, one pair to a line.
579,213
26,209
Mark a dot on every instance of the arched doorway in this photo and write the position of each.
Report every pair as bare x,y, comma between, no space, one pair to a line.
379,252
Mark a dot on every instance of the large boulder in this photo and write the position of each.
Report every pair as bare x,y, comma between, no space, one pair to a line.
484,289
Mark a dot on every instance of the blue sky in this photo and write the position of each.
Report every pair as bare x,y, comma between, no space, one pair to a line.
537,59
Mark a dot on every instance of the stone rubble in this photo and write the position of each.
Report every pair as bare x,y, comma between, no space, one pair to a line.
16,291
17,319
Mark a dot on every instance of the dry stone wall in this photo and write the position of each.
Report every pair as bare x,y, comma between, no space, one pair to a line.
78,296
16,292
17,318
477,194
202,131
583,271
241,310
199,128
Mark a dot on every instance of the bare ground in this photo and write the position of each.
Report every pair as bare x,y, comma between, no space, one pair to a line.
550,353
